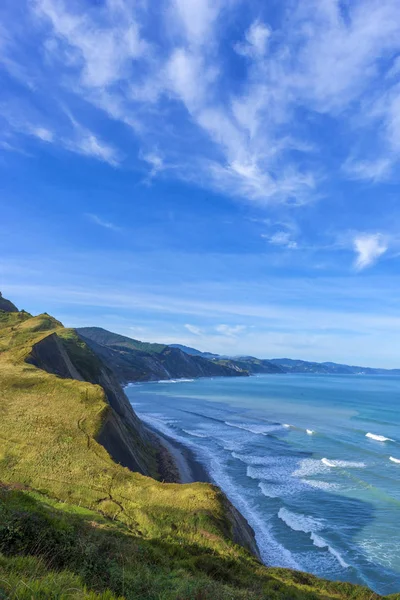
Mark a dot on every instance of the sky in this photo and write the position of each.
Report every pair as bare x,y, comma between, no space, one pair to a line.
218,173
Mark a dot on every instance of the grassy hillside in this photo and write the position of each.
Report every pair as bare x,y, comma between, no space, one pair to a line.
76,524
107,338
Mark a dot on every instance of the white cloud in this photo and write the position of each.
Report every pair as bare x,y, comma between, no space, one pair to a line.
230,330
372,170
101,222
43,134
257,37
281,238
194,329
104,49
87,143
324,58
369,247
154,160
196,16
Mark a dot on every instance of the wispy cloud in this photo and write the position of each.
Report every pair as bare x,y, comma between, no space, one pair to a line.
255,136
72,137
155,161
372,170
87,143
281,238
369,248
230,330
102,222
193,329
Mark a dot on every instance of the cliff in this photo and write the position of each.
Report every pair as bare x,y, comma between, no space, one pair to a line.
76,522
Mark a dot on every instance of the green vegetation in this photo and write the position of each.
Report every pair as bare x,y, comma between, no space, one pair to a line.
107,338
75,524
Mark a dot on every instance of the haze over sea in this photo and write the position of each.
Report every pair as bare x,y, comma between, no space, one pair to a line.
312,461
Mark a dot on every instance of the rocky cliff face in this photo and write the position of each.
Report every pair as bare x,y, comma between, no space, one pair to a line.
122,434
131,360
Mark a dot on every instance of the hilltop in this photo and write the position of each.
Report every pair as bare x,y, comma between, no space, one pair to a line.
83,513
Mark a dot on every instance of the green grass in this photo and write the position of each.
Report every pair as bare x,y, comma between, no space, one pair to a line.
74,524
107,338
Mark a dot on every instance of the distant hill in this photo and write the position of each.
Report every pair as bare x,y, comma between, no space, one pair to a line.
193,351
290,365
255,366
132,360
286,365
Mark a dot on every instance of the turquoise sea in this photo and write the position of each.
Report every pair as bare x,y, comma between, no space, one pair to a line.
312,461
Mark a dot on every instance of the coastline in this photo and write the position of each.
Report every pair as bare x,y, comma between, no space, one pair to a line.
177,463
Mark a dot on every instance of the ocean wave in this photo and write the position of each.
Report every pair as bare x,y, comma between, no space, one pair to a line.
300,522
321,485
310,431
319,542
343,464
378,438
158,417
395,460
272,552
287,426
310,466
175,380
195,433
308,524
254,428
252,459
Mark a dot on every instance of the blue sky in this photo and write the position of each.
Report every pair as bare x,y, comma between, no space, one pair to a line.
223,174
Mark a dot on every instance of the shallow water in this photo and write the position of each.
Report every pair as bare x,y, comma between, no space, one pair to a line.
310,460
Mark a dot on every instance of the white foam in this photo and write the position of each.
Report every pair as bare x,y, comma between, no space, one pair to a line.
395,460
378,438
195,433
271,551
319,542
251,459
175,380
308,524
344,464
254,428
310,431
287,426
300,522
321,485
310,466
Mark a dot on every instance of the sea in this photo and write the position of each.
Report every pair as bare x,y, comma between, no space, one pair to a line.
312,462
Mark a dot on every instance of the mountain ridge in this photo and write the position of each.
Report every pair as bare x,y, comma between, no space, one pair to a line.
132,360
292,365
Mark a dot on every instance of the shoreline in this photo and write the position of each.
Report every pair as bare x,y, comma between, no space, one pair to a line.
177,462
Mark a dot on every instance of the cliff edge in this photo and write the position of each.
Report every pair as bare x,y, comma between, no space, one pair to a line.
78,509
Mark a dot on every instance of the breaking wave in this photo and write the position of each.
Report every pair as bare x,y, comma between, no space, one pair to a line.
378,438
254,428
343,463
308,524
321,543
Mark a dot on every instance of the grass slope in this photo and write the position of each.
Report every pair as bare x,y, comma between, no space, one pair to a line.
74,524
